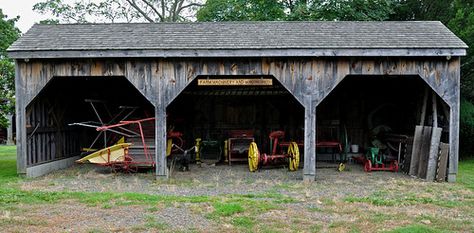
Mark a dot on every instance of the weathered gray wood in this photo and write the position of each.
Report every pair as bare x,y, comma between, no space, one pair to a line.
160,141
230,53
309,170
10,130
424,151
442,162
416,149
435,111
162,80
423,107
453,142
20,107
433,154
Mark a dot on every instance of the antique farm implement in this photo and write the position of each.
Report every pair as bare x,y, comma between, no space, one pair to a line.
124,156
118,156
375,160
277,156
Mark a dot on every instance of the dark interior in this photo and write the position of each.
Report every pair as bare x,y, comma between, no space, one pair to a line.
63,102
366,107
214,112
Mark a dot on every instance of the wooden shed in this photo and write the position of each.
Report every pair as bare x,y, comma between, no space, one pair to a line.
322,73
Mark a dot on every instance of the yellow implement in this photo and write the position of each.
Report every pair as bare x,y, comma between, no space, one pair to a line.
115,153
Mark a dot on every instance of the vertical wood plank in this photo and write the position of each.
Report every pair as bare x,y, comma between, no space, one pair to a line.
442,162
433,154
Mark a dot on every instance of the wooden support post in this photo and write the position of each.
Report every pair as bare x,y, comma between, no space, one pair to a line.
453,141
10,130
309,170
423,107
21,153
160,141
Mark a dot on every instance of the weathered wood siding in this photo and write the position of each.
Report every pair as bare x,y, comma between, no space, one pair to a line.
310,80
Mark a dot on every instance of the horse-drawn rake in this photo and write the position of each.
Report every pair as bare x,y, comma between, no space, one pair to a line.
131,157
277,156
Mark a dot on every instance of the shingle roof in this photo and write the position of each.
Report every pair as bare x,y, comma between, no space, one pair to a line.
238,36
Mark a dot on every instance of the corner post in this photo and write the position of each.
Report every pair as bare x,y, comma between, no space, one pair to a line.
160,141
453,141
20,108
309,170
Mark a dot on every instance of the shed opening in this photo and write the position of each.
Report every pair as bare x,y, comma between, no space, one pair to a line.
61,121
365,112
227,118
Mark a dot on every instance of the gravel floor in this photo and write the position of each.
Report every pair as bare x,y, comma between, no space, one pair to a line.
213,180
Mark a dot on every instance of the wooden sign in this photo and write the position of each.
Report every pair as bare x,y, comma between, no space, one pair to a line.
235,82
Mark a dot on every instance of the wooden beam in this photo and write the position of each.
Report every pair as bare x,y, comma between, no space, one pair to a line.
435,110
21,153
160,141
309,170
453,141
423,107
229,53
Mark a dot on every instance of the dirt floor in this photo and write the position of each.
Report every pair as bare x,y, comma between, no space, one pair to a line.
230,199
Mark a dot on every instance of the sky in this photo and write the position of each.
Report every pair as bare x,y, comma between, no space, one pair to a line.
23,8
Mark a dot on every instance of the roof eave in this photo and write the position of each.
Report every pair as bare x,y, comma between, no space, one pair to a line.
176,53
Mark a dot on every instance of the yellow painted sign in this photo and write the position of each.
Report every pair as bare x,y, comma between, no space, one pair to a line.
235,82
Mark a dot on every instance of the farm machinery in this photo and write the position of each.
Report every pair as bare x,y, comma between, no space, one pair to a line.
130,157
377,161
277,156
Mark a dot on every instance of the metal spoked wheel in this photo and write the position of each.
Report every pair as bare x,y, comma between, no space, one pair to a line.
253,157
293,156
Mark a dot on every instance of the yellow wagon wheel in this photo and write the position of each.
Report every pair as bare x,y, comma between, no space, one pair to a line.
294,156
253,157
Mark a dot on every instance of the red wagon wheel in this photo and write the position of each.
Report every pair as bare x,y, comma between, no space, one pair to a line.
395,166
367,166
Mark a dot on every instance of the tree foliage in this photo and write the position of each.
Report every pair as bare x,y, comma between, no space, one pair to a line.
241,10
253,10
112,11
8,34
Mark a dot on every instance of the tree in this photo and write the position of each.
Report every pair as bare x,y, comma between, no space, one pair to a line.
261,10
352,10
241,10
8,34
462,24
113,11
423,10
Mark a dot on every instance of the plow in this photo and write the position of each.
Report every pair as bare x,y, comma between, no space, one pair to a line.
278,155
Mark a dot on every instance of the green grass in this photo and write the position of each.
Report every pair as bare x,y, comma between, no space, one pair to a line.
466,173
7,164
384,198
243,222
226,209
416,228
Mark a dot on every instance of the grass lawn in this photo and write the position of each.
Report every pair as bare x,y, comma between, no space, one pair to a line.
7,164
406,206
